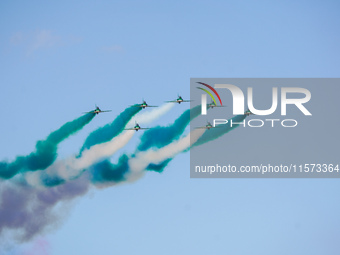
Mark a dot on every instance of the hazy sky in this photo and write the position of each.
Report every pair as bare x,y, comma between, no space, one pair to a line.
60,59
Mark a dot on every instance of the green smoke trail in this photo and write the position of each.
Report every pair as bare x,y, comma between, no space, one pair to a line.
46,150
106,133
207,136
162,136
105,171
156,137
215,133
158,167
101,135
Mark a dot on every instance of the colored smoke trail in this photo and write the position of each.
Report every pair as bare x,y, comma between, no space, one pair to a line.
207,136
106,133
105,150
143,159
32,201
154,155
71,168
167,135
156,137
132,168
30,211
147,117
46,150
215,133
161,136
40,247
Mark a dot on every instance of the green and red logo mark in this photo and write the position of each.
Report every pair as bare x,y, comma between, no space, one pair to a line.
209,93
204,97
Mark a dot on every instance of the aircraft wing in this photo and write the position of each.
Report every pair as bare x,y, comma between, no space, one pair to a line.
175,101
143,106
89,112
210,127
213,106
130,129
106,111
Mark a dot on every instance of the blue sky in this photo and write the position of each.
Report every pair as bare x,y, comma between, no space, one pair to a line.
59,59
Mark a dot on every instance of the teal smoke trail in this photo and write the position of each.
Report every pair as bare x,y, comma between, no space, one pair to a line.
220,130
46,150
161,136
106,133
105,171
156,137
207,136
101,135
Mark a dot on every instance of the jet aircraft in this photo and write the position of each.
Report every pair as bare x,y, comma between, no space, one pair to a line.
208,126
144,105
97,110
212,105
178,100
136,127
248,112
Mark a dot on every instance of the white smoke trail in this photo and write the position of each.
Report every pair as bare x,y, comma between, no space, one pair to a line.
70,168
26,212
102,151
147,117
105,150
142,159
42,202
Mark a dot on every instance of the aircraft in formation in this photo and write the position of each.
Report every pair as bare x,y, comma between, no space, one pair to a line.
208,126
144,105
178,100
248,112
97,110
136,127
213,104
